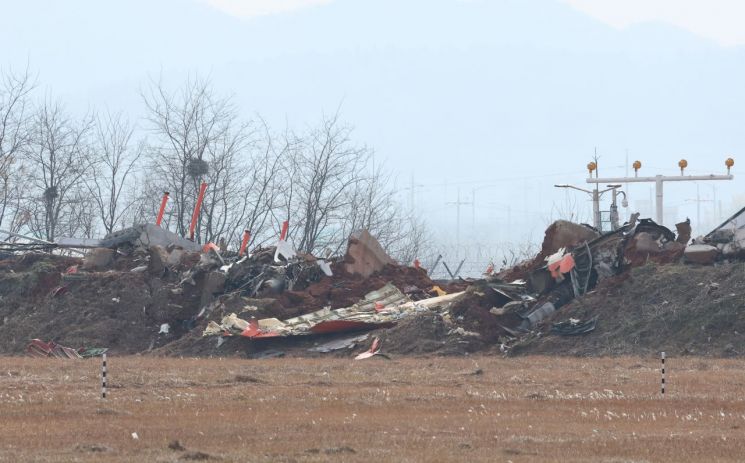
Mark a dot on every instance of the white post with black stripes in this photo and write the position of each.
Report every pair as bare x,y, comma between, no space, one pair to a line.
663,374
103,377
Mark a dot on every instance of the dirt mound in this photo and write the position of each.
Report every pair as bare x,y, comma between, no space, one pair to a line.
680,309
427,333
471,311
121,310
53,297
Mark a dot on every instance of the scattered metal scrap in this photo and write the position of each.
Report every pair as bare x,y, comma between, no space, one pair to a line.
39,348
377,309
373,351
570,272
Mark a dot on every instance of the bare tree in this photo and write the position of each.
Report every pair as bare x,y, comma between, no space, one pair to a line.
59,159
198,138
326,169
412,240
264,181
14,138
117,158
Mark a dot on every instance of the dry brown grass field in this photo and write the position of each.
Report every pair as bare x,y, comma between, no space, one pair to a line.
409,409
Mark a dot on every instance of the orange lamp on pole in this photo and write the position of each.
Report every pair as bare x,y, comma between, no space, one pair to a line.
729,163
636,165
162,209
197,208
244,243
591,167
682,164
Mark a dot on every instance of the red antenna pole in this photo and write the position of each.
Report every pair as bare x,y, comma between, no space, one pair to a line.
244,243
197,208
285,227
162,209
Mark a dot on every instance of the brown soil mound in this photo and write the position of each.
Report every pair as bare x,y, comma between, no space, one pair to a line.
471,311
124,310
679,309
119,310
426,333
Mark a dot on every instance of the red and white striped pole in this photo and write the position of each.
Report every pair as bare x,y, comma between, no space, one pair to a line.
162,209
244,243
197,208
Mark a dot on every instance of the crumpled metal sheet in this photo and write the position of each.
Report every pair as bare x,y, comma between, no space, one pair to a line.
39,348
377,309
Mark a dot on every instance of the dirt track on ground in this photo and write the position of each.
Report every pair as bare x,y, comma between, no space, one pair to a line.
413,409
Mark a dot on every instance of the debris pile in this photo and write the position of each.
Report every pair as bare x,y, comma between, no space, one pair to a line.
727,241
145,289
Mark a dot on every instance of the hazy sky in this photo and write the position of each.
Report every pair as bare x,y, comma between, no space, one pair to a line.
498,100
718,20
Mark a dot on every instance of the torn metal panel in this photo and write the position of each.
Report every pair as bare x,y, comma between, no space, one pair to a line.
735,222
582,271
374,350
39,348
146,235
540,313
381,308
78,242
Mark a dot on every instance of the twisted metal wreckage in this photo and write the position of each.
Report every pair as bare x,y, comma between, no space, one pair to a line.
519,305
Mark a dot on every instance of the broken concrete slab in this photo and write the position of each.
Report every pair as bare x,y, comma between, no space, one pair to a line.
365,255
98,259
701,254
565,234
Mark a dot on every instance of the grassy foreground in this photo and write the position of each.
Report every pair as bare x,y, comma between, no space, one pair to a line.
407,409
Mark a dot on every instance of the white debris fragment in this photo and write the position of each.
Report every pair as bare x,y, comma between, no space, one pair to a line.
325,267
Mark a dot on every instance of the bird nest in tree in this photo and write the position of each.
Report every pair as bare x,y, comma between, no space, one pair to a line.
197,168
50,193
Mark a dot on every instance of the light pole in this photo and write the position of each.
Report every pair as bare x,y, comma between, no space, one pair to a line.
596,194
659,181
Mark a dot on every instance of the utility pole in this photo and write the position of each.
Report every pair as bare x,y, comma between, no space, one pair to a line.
698,202
458,204
659,181
596,194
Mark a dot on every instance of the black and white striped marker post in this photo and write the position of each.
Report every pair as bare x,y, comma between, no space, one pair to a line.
103,377
663,374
